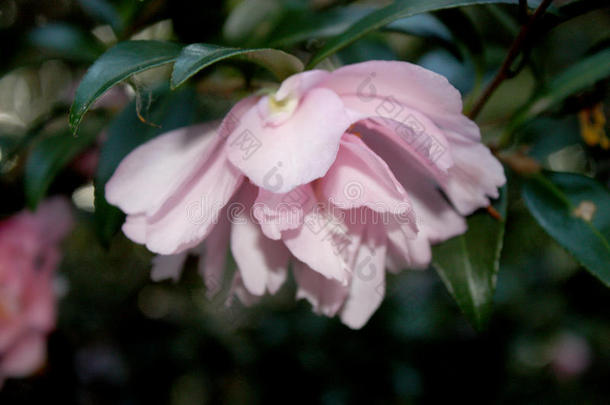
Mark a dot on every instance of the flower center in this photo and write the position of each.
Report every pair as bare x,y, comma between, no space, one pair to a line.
284,105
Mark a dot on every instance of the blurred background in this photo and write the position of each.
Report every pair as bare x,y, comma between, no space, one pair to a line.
122,339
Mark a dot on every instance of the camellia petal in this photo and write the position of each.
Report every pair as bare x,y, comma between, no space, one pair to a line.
262,262
361,178
279,158
214,258
279,212
185,219
474,178
326,296
321,243
367,287
410,85
155,170
168,266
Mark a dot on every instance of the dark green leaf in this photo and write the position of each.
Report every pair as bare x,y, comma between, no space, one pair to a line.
382,17
575,8
424,25
125,133
250,22
299,25
429,27
48,158
67,41
574,210
103,11
468,264
195,57
577,77
116,65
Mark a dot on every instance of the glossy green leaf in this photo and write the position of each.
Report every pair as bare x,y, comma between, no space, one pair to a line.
575,211
48,158
468,264
195,57
577,77
382,17
125,133
116,65
66,41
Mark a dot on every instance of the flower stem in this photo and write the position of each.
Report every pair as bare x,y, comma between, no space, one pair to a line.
513,52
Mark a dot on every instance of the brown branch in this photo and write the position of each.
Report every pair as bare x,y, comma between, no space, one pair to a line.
513,52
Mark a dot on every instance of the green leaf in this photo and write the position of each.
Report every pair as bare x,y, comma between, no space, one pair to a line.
195,57
116,65
125,133
382,17
577,77
426,26
66,41
301,25
575,8
251,21
468,264
573,209
103,11
48,158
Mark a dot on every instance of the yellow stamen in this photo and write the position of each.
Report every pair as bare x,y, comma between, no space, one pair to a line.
285,105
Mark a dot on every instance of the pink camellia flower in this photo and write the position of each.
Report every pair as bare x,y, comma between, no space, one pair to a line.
29,254
340,173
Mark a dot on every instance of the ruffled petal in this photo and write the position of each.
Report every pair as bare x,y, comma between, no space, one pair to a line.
153,172
213,261
189,215
322,242
301,149
297,85
360,178
474,178
326,296
262,262
279,212
414,253
412,132
168,266
410,85
437,221
134,228
239,290
367,287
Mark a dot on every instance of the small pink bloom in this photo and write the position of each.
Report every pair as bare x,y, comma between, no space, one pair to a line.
570,356
339,173
29,254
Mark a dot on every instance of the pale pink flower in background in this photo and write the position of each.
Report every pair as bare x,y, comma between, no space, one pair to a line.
339,173
570,356
29,254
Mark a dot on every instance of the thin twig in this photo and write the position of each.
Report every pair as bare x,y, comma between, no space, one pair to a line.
513,52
